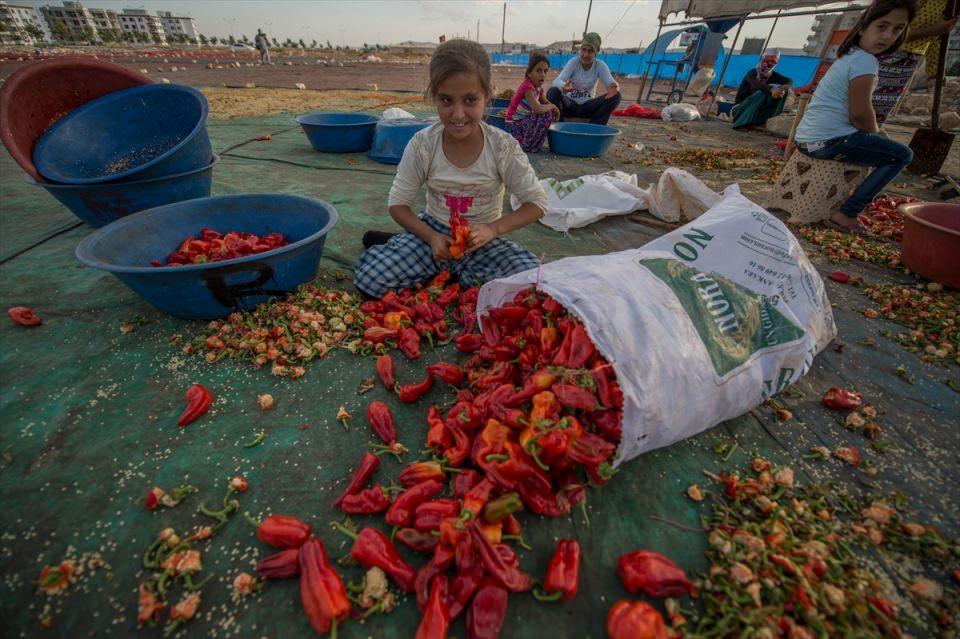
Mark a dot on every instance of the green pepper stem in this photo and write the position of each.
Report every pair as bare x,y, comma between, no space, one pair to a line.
341,528
256,440
544,596
189,585
516,538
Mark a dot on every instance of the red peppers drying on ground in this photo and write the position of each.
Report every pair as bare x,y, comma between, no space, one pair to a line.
199,399
563,573
839,399
381,422
321,589
368,463
283,531
652,573
635,620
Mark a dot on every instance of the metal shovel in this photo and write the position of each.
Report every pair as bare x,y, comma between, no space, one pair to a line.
931,146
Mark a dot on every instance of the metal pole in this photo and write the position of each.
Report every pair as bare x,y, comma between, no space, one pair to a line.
770,35
478,31
587,24
723,69
646,74
503,28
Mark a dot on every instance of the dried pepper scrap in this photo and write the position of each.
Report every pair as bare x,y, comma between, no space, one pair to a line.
839,247
931,317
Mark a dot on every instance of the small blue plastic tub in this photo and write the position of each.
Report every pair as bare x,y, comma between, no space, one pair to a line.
491,118
724,107
214,289
339,132
101,204
154,130
580,139
392,137
500,103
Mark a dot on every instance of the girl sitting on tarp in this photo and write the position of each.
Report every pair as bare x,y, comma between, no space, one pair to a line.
530,114
758,99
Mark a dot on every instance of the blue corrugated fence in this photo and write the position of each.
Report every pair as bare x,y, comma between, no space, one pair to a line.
798,68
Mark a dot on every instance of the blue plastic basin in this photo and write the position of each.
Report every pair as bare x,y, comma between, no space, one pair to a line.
207,291
149,131
339,132
101,204
392,137
500,103
580,139
491,117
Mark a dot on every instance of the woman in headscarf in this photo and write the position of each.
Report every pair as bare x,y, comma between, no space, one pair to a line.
762,93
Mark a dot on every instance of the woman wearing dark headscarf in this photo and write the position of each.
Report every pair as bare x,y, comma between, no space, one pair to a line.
758,99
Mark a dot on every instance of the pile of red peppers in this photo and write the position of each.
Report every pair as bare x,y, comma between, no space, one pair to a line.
211,246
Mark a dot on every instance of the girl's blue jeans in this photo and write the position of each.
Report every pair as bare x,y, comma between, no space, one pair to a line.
863,149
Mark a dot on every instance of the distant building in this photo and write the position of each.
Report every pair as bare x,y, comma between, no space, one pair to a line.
176,26
752,46
413,48
105,19
139,21
561,46
21,25
827,32
71,22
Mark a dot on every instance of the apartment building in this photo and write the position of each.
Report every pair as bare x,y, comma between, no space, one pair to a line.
139,21
21,25
175,26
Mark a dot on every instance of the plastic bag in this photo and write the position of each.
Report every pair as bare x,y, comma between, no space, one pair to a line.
572,204
681,112
394,113
701,325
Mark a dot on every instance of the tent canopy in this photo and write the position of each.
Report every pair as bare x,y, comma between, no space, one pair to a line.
713,8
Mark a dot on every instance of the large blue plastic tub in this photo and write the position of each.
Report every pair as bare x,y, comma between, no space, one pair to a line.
491,117
339,132
392,137
101,204
580,139
149,131
207,291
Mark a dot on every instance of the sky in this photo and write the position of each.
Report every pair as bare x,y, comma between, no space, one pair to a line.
620,23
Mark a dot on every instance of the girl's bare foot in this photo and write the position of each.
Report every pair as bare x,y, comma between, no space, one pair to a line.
841,222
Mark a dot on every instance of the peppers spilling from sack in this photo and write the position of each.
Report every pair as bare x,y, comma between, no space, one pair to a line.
211,246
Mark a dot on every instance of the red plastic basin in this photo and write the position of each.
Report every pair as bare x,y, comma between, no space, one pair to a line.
38,94
931,241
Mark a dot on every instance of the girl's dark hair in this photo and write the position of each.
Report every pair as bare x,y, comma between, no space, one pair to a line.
536,58
877,10
459,56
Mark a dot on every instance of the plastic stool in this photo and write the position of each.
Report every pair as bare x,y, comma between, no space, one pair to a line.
810,189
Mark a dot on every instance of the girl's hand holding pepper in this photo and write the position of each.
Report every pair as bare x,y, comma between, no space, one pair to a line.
440,245
480,233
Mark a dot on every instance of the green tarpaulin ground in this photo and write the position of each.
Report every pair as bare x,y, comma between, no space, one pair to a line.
88,423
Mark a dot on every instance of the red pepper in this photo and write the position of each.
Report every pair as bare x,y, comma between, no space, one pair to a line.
410,343
283,565
24,316
412,392
476,499
487,611
490,331
437,434
609,423
563,573
448,295
581,348
368,463
423,311
435,622
804,599
542,501
283,531
502,373
839,276
419,472
590,449
508,318
468,343
366,502
199,399
635,620
510,577
885,607
372,306
608,391
463,482
466,414
420,542
429,515
385,370
573,396
460,450
381,421
459,231
373,548
449,373
401,511
379,334
839,399
321,590
461,590
440,330
654,574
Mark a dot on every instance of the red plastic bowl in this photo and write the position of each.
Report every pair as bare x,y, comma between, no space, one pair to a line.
931,241
38,94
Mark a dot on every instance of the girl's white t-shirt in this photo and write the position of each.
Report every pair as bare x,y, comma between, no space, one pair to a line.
475,191
828,114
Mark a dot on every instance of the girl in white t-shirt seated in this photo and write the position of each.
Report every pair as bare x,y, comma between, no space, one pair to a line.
465,165
840,123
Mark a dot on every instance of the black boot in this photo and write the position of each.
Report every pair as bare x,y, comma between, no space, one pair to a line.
374,238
